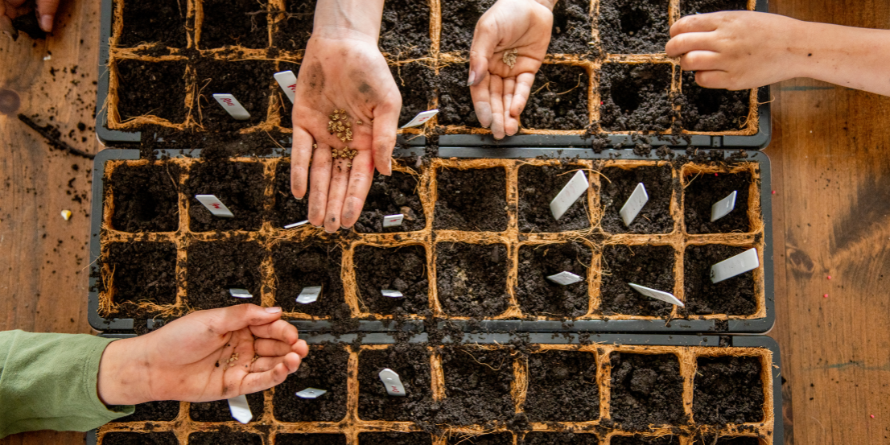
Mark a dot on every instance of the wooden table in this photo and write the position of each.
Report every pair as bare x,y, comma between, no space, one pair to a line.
831,173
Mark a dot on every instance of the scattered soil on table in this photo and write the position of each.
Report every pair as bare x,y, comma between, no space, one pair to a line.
472,279
225,438
704,191
728,390
562,387
645,440
412,364
310,439
215,267
636,97
249,81
155,411
391,195
141,272
705,109
617,186
458,23
484,439
151,89
559,439
165,438
472,200
145,197
537,188
405,29
648,266
299,265
455,102
402,269
558,100
571,28
394,438
239,185
287,209
235,22
688,7
634,27
727,441
646,389
219,411
477,384
161,22
324,368
541,297
417,86
734,296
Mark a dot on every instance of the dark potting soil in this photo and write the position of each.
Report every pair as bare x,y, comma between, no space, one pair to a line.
259,143
151,89
310,439
636,97
728,390
734,296
646,389
215,267
711,440
562,387
155,411
402,269
416,84
405,29
141,272
458,23
472,279
412,364
455,102
472,200
28,24
558,100
307,264
541,297
538,185
219,411
249,81
704,190
645,440
161,22
571,28
634,27
239,185
559,439
324,368
391,195
165,438
688,7
145,197
484,439
235,22
705,109
393,438
648,266
287,209
294,31
617,186
225,438
477,384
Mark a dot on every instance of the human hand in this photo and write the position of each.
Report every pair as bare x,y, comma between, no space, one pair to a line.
509,46
204,356
10,9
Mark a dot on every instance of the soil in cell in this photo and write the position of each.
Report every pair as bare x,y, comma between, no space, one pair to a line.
562,387
472,279
477,385
645,440
392,195
161,22
234,22
225,438
728,390
287,209
558,99
394,438
485,439
703,190
458,23
151,89
324,368
310,439
634,27
559,439
540,296
239,185
145,197
617,186
141,272
165,438
471,200
647,266
405,29
647,389
214,268
734,296
402,269
249,81
455,103
571,28
412,364
219,411
538,186
308,264
155,411
712,110
293,32
636,97
416,84
689,7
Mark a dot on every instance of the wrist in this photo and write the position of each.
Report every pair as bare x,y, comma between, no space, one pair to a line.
123,376
348,19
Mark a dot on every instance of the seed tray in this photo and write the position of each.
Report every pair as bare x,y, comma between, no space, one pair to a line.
642,94
503,308
609,359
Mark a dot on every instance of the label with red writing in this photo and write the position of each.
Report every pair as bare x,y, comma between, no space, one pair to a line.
392,382
216,207
288,83
232,106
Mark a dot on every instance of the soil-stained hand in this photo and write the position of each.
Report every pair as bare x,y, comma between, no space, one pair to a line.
509,45
10,9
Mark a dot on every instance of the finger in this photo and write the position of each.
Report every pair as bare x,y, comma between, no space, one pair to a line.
700,61
482,100
386,122
524,84
713,79
497,107
261,381
46,11
695,23
301,348
264,364
301,153
360,178
5,22
265,347
278,330
694,41
336,195
511,125
485,40
224,320
319,180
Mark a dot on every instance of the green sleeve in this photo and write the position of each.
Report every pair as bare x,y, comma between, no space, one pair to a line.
48,382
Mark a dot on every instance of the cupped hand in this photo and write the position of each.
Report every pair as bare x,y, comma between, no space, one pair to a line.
509,46
351,75
10,9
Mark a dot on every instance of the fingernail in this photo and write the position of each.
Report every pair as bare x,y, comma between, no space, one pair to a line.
6,25
46,22
483,113
471,79
272,310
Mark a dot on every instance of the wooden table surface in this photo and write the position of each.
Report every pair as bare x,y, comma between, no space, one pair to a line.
831,172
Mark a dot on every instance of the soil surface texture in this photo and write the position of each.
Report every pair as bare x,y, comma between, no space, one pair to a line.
617,186
727,441
571,28
219,411
165,438
558,100
145,197
458,23
728,390
485,439
395,439
417,86
537,188
161,22
287,209
734,296
294,31
157,411
402,269
636,97
688,7
151,89
705,109
472,279
472,200
648,266
646,389
215,267
559,439
562,387
392,195
541,297
249,81
225,438
310,439
412,364
307,264
455,102
634,27
239,185
705,190
324,368
141,272
235,22
645,440
405,29
477,385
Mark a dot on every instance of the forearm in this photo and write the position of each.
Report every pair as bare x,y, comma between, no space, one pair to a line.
846,56
338,19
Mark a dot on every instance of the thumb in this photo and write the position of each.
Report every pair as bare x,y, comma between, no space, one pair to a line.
224,320
46,12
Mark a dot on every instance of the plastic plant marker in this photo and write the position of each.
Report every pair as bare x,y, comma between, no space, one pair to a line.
393,220
240,409
565,278
215,206
288,83
309,294
723,207
634,204
296,224
240,293
392,383
737,265
421,118
311,393
232,106
391,293
569,194
656,294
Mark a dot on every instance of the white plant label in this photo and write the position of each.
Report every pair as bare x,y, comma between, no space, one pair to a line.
656,294
393,220
723,207
296,224
391,293
240,409
309,294
311,393
569,194
232,106
392,383
421,117
564,278
288,83
634,204
737,265
215,206
240,293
